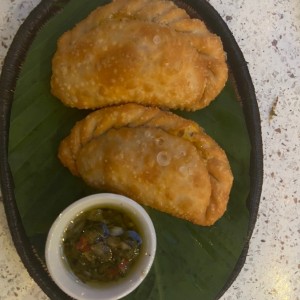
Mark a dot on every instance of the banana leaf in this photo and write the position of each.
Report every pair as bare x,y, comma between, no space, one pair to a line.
191,261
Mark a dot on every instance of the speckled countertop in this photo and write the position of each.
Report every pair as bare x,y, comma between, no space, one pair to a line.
268,32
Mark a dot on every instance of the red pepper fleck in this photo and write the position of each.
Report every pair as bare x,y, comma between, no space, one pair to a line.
123,265
112,273
83,245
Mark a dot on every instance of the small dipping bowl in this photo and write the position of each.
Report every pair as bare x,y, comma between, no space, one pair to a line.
62,274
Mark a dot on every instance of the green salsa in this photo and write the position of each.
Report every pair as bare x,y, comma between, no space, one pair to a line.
101,245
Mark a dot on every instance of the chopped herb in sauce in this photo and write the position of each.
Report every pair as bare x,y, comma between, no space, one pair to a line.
101,245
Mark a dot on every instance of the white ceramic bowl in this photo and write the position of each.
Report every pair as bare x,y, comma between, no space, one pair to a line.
67,281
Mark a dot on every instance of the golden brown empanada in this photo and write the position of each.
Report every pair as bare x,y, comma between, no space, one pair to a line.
155,157
141,51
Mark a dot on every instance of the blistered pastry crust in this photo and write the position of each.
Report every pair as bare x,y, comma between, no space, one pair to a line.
140,51
155,157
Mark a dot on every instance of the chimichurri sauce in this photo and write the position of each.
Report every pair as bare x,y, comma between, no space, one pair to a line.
101,245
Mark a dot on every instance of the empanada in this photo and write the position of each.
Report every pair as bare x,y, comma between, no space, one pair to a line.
155,157
140,51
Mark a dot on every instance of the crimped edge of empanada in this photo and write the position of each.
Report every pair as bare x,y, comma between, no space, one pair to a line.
167,14
134,115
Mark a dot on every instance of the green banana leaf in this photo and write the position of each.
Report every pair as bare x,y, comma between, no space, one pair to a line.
192,262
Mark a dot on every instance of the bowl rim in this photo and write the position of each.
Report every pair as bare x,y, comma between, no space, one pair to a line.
67,281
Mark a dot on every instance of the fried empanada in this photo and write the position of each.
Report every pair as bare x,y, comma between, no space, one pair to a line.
139,51
155,157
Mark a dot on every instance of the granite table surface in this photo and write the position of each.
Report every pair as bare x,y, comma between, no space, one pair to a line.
268,32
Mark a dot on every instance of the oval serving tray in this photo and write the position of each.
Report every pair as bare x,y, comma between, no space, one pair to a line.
192,261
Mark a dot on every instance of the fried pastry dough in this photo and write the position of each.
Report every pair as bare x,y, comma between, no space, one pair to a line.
140,51
155,157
